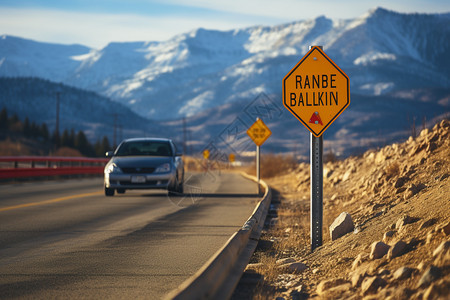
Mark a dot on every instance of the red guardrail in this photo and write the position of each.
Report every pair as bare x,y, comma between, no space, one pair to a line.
36,166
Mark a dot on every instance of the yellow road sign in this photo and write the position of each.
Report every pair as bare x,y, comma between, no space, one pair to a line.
259,132
316,91
206,154
231,157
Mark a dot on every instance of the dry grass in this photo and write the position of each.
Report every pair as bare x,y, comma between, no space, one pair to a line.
272,165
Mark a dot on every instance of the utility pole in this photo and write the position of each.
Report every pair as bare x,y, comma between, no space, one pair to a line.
57,121
184,137
115,132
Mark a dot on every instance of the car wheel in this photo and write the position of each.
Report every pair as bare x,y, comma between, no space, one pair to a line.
120,191
109,192
181,188
174,190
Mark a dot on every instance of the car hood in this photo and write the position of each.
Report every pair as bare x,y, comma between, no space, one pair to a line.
140,161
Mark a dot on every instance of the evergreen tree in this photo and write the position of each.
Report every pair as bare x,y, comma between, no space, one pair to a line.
65,139
27,127
101,147
44,132
72,138
83,145
4,119
106,145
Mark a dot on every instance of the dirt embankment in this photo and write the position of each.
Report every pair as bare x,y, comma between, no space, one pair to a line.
398,198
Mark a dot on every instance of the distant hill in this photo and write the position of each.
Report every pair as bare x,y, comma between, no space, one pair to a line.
96,115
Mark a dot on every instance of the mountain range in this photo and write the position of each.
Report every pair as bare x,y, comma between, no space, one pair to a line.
398,65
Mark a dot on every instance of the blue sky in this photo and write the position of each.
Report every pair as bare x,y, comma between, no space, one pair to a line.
95,23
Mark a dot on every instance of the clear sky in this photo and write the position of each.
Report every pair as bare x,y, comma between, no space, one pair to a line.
95,23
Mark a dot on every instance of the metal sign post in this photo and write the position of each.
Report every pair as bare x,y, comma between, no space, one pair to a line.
316,204
259,133
258,167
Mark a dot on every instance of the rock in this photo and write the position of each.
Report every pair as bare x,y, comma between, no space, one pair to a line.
443,248
388,235
442,254
403,273
325,285
424,132
430,236
384,272
446,228
430,275
357,261
396,250
284,261
404,220
297,267
378,250
413,189
431,147
342,225
427,223
380,158
370,285
357,278
401,181
439,290
421,266
347,175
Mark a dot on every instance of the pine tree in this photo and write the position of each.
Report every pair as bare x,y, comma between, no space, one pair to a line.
44,132
83,145
27,127
4,119
65,139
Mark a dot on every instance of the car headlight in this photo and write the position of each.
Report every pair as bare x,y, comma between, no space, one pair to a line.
164,168
113,168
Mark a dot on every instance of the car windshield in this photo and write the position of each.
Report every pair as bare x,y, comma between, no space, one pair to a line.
152,148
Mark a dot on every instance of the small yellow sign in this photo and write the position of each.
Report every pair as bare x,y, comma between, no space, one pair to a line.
259,132
316,91
206,154
231,157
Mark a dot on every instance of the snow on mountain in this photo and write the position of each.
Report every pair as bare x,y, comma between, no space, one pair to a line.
382,52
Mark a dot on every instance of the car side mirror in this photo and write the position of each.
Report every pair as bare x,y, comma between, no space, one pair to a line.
178,154
109,154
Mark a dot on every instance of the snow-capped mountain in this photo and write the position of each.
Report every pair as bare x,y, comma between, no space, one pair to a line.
381,51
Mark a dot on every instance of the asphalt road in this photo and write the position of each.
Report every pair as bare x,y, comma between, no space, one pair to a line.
66,239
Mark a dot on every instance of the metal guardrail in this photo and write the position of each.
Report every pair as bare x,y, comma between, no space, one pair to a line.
37,166
218,277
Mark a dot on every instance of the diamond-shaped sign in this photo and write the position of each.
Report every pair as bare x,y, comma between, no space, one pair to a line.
259,132
316,91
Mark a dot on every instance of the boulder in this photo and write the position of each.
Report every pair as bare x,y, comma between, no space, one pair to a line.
443,248
342,225
284,261
370,285
378,250
325,285
397,249
297,267
403,273
430,275
405,219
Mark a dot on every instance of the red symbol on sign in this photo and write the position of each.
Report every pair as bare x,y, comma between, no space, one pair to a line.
315,119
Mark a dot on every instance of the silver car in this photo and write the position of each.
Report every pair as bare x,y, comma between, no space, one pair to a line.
144,163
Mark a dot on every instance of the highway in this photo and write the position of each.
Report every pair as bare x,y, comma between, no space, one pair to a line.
65,239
